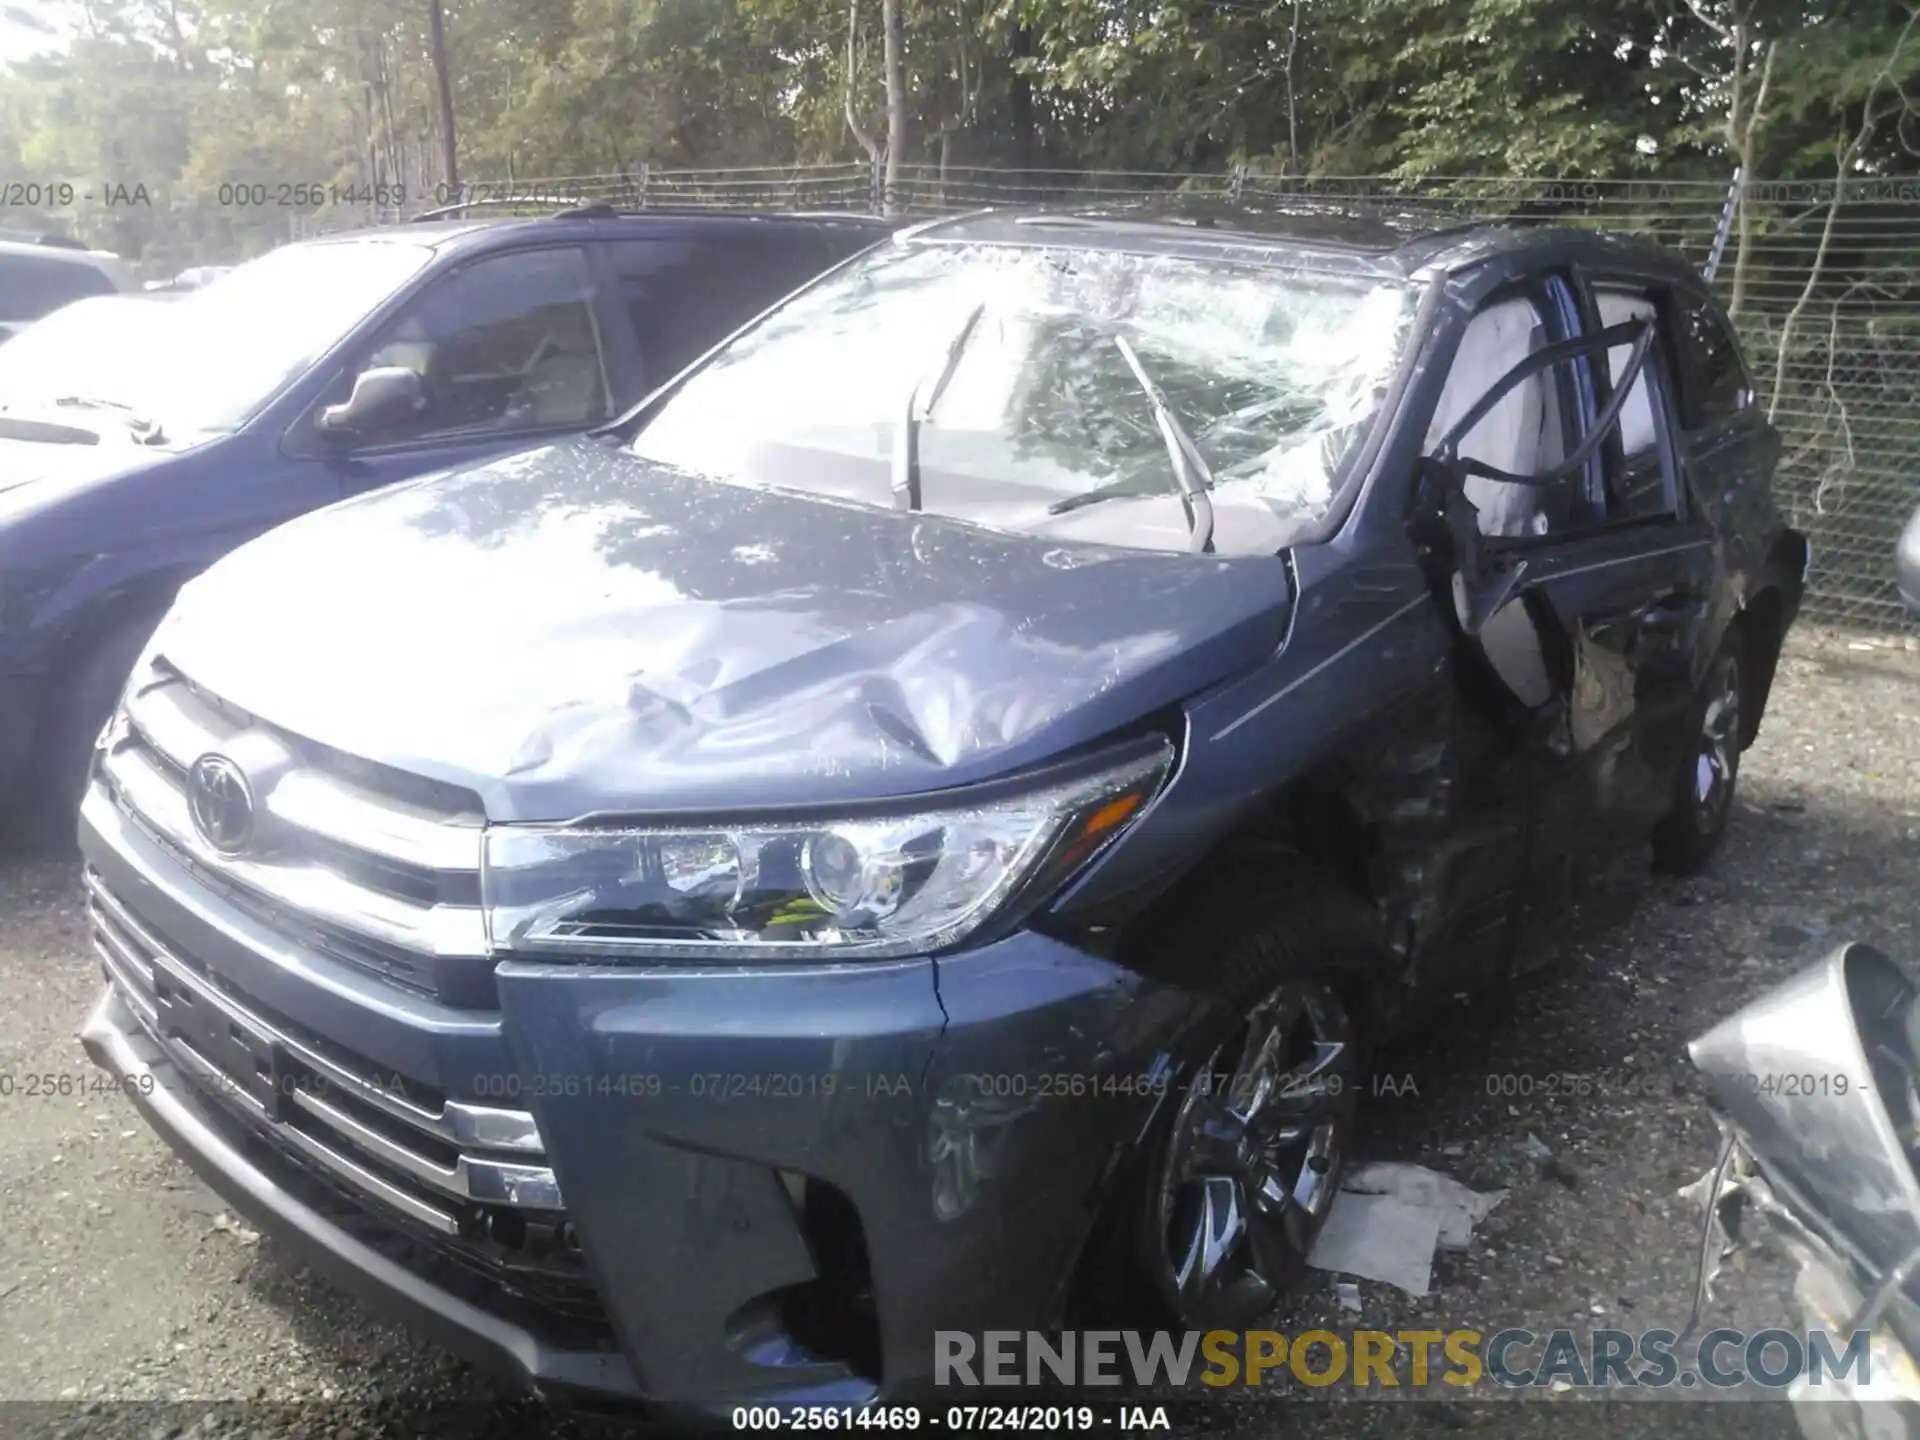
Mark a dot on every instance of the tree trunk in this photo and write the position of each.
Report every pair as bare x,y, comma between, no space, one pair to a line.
389,134
437,31
1293,108
1746,116
1020,102
867,142
896,99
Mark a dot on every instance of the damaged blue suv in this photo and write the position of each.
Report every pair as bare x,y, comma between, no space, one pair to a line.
923,819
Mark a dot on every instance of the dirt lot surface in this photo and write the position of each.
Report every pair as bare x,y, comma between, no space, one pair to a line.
126,1289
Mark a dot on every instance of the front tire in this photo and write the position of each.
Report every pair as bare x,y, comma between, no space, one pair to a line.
1242,1172
1690,832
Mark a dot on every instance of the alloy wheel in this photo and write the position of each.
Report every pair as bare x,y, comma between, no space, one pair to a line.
1716,760
1254,1156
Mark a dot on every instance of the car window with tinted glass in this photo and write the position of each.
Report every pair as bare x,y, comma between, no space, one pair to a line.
1716,386
1636,416
1640,486
684,293
507,343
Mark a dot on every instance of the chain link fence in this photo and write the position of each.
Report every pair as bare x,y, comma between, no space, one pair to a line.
1823,279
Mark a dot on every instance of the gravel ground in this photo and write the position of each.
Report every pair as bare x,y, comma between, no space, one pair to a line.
125,1289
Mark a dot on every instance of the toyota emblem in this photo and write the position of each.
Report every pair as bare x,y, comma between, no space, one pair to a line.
221,803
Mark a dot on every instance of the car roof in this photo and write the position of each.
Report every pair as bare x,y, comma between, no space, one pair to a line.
52,251
1377,238
469,232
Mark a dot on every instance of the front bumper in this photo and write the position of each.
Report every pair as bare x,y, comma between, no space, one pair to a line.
286,1204
741,1152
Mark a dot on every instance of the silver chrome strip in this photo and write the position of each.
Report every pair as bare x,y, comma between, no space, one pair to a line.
318,803
528,1186
129,988
115,935
454,1123
487,1127
1294,684
159,716
316,892
182,728
362,1178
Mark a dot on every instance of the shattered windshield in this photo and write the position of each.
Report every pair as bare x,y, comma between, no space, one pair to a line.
1026,398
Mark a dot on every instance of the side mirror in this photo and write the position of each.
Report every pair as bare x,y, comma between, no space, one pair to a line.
1907,563
382,397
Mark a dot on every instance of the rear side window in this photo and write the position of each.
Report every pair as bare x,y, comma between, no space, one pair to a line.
683,294
1640,481
1637,434
1715,385
31,286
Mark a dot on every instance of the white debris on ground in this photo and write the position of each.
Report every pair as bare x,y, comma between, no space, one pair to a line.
1389,1218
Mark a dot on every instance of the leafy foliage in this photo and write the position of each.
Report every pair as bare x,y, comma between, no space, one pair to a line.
184,96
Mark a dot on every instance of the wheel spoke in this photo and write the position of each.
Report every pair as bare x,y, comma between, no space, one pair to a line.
1718,756
1254,1074
1274,1236
1313,1187
1306,1083
1218,1229
1722,715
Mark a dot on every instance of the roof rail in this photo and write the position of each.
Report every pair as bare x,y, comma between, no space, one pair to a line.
445,212
606,210
923,227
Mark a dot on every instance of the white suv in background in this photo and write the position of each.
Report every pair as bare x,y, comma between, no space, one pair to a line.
38,276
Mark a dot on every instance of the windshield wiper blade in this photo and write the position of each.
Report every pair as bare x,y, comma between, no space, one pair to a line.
1191,473
147,429
906,440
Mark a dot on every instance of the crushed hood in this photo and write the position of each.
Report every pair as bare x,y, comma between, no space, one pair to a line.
573,629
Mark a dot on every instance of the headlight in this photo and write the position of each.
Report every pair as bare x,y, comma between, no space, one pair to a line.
866,886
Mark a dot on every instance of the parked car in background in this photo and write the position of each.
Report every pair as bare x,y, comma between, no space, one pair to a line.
321,370
192,278
96,326
936,818
38,276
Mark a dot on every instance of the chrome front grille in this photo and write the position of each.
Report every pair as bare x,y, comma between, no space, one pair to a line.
450,1166
377,868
